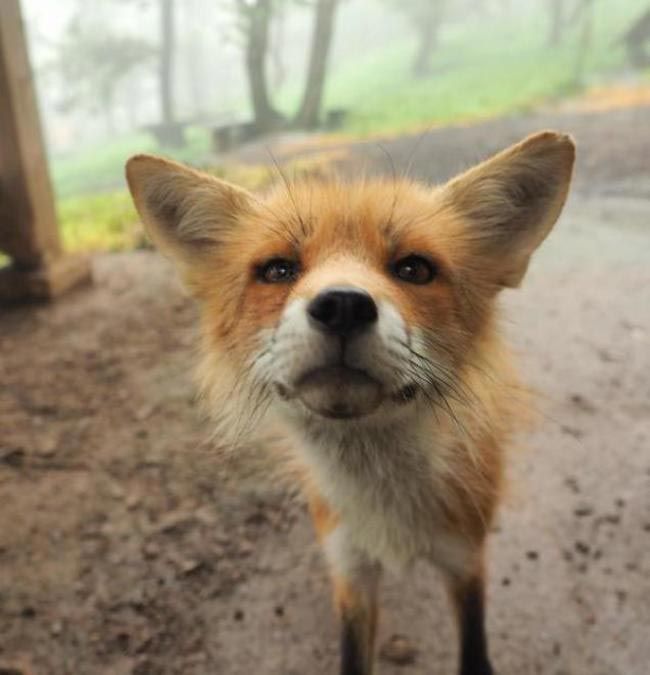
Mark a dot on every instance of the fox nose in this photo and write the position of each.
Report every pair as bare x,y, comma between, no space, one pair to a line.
342,310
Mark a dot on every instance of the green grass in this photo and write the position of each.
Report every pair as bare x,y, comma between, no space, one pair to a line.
105,221
96,214
101,167
479,70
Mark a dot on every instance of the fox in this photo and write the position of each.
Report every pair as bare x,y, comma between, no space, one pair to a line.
358,319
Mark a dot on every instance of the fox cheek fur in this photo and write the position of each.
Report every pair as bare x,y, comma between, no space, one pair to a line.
359,321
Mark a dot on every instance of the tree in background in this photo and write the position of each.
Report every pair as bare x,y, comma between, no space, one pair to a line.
93,62
255,24
583,15
565,15
308,115
166,65
167,131
637,41
277,56
94,59
426,18
556,22
255,18
191,48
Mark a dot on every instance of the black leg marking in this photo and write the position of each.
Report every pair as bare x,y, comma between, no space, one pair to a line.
474,651
352,651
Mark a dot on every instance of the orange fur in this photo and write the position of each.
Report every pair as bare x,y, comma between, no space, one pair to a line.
324,519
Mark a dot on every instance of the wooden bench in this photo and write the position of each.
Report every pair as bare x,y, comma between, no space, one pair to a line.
169,135
226,136
231,133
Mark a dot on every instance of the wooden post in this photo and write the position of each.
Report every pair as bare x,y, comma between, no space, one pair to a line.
28,224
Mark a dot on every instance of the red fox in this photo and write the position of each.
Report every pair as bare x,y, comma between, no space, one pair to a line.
359,319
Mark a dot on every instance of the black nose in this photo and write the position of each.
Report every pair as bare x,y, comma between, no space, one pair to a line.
342,310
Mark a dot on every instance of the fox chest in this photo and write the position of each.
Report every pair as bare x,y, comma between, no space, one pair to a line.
391,505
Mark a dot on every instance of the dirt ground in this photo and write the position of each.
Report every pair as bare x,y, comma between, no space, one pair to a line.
126,548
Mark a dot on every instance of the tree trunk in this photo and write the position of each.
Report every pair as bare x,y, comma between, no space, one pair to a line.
259,18
193,53
169,132
556,26
309,112
106,96
166,60
109,115
279,71
132,103
427,25
584,44
636,40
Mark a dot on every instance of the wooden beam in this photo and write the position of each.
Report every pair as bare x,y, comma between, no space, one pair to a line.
28,224
45,282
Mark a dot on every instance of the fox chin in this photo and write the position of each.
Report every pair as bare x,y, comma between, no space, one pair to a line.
360,318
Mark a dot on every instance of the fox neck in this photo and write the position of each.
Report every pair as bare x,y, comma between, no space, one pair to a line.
387,484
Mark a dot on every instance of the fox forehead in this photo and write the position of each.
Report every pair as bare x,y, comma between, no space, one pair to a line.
340,234
341,268
361,224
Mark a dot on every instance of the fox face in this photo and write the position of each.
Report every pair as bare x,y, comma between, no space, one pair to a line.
353,302
363,314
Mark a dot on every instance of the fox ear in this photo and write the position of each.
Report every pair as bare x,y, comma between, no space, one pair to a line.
510,202
185,212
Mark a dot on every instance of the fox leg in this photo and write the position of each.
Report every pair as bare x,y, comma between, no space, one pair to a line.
356,580
356,600
468,596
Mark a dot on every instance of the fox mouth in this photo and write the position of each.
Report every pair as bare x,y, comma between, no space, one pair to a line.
342,392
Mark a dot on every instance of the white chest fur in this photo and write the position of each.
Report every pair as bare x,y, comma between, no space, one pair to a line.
388,487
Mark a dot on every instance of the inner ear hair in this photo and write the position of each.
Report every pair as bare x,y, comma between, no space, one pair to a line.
510,202
184,211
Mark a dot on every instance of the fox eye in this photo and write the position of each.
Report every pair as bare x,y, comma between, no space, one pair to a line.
414,269
277,271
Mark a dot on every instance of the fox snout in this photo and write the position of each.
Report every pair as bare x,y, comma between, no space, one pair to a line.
337,353
342,311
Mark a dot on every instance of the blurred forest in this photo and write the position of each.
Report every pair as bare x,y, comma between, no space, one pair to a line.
189,78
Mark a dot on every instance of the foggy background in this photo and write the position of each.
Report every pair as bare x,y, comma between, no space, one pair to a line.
104,68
